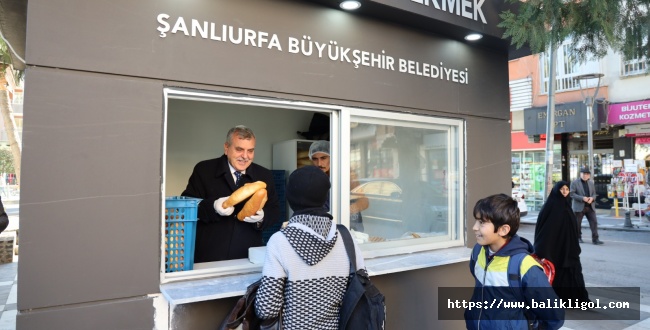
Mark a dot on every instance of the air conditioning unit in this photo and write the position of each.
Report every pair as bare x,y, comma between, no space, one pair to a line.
622,132
533,138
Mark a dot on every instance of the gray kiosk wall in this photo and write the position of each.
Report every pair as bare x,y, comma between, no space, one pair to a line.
93,130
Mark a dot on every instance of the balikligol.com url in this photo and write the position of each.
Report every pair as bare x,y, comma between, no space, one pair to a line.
548,303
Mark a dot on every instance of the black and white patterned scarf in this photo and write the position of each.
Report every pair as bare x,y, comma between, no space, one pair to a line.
311,248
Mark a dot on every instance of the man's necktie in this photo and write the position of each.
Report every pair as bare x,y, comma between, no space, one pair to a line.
238,176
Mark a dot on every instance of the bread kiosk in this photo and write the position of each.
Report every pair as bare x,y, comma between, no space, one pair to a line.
122,98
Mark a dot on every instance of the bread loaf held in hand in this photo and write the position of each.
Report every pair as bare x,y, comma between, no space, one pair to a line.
242,193
253,205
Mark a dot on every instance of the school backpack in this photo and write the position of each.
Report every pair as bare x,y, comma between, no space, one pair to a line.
363,306
547,265
514,264
514,278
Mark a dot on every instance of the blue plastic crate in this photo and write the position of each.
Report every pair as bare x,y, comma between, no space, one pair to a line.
180,232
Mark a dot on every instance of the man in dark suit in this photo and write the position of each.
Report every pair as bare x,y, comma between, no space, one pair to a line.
583,195
219,235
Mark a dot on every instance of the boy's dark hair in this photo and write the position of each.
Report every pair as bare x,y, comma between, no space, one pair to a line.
500,209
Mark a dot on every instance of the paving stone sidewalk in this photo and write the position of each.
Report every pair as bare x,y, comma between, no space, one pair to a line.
607,220
8,296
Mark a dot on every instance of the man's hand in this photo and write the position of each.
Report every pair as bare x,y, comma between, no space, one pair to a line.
255,218
218,206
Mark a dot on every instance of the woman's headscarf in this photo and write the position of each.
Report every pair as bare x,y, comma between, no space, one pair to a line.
556,231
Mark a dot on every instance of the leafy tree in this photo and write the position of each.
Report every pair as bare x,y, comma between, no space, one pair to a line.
593,26
6,161
6,109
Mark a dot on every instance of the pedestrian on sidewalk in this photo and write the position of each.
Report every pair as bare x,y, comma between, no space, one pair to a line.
556,239
497,245
583,194
4,219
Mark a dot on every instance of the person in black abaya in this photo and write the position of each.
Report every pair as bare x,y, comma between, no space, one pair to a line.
556,239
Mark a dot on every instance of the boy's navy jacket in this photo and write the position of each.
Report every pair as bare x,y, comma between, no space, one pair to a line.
492,290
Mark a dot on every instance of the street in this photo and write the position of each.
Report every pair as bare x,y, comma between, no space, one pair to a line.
11,208
622,262
13,211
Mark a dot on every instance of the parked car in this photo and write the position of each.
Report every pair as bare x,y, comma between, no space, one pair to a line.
387,216
519,196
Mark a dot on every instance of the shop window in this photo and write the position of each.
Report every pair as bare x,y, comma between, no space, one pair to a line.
529,175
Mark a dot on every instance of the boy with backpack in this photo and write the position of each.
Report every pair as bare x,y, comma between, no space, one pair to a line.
507,278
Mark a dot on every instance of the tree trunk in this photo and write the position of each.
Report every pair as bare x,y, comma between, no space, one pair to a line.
10,127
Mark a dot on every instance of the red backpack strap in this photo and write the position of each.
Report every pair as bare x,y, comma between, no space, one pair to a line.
548,266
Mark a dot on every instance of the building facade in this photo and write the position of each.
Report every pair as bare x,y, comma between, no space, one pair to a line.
620,103
127,96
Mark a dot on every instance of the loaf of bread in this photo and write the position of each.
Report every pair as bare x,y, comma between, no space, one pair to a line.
304,162
359,205
303,154
242,193
253,205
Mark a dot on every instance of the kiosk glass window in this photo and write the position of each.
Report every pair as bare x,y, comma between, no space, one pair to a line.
410,176
401,175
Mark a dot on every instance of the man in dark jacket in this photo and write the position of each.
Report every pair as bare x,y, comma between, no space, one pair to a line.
583,195
219,235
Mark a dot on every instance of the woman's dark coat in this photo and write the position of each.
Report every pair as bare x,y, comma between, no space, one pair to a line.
556,239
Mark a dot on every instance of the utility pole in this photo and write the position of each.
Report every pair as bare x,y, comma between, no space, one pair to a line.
550,121
589,102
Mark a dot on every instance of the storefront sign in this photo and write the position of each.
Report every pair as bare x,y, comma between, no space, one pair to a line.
463,15
569,118
519,141
464,8
629,113
637,130
305,45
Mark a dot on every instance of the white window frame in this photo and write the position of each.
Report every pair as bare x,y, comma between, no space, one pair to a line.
633,67
456,214
566,69
339,171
